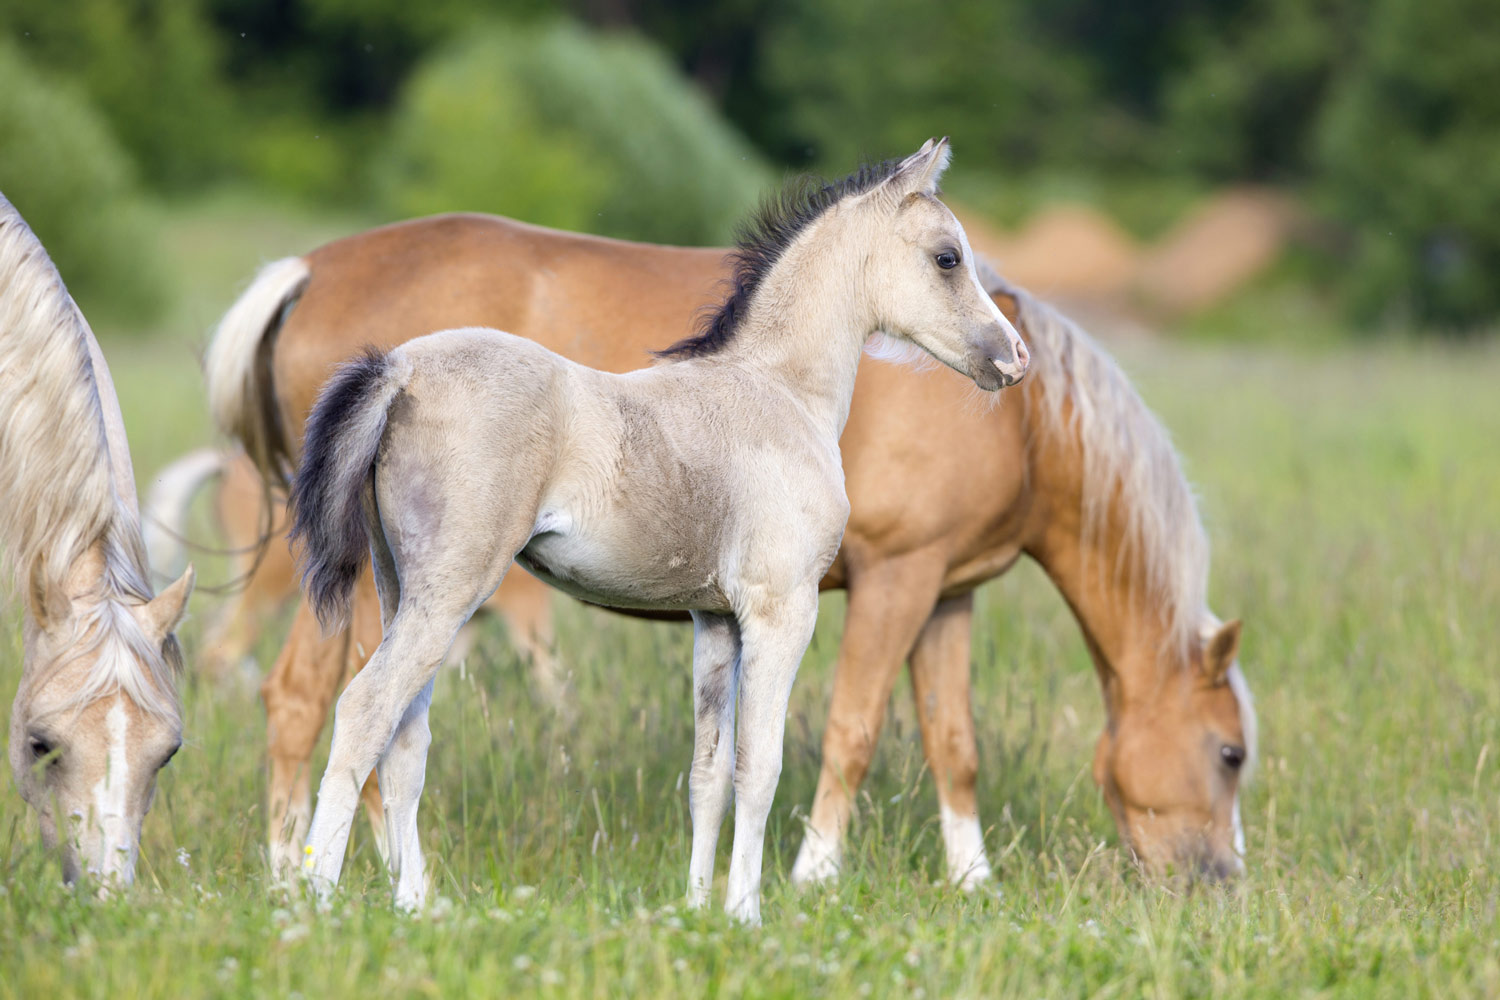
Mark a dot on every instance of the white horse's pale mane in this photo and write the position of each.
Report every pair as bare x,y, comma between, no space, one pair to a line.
60,495
1126,453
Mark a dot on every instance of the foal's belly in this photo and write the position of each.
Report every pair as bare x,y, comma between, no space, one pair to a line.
645,571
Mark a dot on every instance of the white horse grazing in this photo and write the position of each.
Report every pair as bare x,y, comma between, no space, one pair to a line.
711,484
96,716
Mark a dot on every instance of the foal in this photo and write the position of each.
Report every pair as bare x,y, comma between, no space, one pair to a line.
711,485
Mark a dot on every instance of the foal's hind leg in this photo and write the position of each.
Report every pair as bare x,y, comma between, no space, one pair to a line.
457,570
403,765
297,693
403,772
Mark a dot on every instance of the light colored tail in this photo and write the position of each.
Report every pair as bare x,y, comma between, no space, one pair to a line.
338,465
239,390
167,502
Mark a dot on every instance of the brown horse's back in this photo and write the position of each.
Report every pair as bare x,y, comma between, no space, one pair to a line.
604,302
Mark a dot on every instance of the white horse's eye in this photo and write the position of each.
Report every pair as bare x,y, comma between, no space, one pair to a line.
947,260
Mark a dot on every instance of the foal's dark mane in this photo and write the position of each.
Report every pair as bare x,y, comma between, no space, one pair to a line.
759,244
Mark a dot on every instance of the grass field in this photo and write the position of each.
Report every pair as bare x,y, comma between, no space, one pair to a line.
1353,497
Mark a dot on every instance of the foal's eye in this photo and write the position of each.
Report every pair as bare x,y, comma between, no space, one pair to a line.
947,260
1234,757
40,749
168,758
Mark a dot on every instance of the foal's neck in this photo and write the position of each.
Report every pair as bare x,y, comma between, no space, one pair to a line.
807,324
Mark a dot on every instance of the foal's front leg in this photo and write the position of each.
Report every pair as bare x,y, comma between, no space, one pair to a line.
716,657
773,639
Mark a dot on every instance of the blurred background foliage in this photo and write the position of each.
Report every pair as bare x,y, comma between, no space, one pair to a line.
665,119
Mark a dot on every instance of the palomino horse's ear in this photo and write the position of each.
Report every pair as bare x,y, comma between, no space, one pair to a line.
1220,649
161,615
920,172
37,598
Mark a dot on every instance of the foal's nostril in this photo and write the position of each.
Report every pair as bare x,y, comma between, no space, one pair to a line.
1023,356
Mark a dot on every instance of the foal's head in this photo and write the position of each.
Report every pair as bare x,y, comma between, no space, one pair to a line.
1173,758
95,719
923,277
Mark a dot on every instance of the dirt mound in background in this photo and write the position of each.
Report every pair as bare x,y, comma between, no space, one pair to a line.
1080,256
1065,250
1221,245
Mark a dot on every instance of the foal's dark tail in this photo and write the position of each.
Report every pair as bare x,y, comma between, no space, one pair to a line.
338,464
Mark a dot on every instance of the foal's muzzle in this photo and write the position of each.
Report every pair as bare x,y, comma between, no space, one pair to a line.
998,359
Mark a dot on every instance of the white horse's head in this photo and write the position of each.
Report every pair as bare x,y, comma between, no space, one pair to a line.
96,714
91,726
925,284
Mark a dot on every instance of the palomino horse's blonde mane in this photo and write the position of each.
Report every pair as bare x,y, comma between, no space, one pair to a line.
60,481
1126,453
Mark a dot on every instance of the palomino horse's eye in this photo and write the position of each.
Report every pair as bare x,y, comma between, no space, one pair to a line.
947,260
40,749
1234,757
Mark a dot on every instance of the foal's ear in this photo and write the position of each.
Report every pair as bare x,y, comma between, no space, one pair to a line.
1220,649
161,615
919,173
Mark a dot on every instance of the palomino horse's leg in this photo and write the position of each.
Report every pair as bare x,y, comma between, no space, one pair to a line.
716,655
297,694
889,601
773,640
940,682
525,603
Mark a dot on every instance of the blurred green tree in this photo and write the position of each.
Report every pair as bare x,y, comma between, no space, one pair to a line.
1248,105
561,126
1411,162
75,186
152,69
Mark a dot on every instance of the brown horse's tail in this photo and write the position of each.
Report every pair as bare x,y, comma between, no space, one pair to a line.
330,518
164,517
241,397
237,367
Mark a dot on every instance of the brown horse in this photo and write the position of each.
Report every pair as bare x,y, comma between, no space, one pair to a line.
946,494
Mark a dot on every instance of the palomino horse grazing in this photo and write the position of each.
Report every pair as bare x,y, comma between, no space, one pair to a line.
710,484
1071,469
96,716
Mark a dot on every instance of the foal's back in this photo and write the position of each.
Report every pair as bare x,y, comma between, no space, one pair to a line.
644,488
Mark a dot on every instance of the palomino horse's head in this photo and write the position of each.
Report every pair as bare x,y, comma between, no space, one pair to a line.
91,725
925,284
1172,759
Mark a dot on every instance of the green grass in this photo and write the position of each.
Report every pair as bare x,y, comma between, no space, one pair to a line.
1353,496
